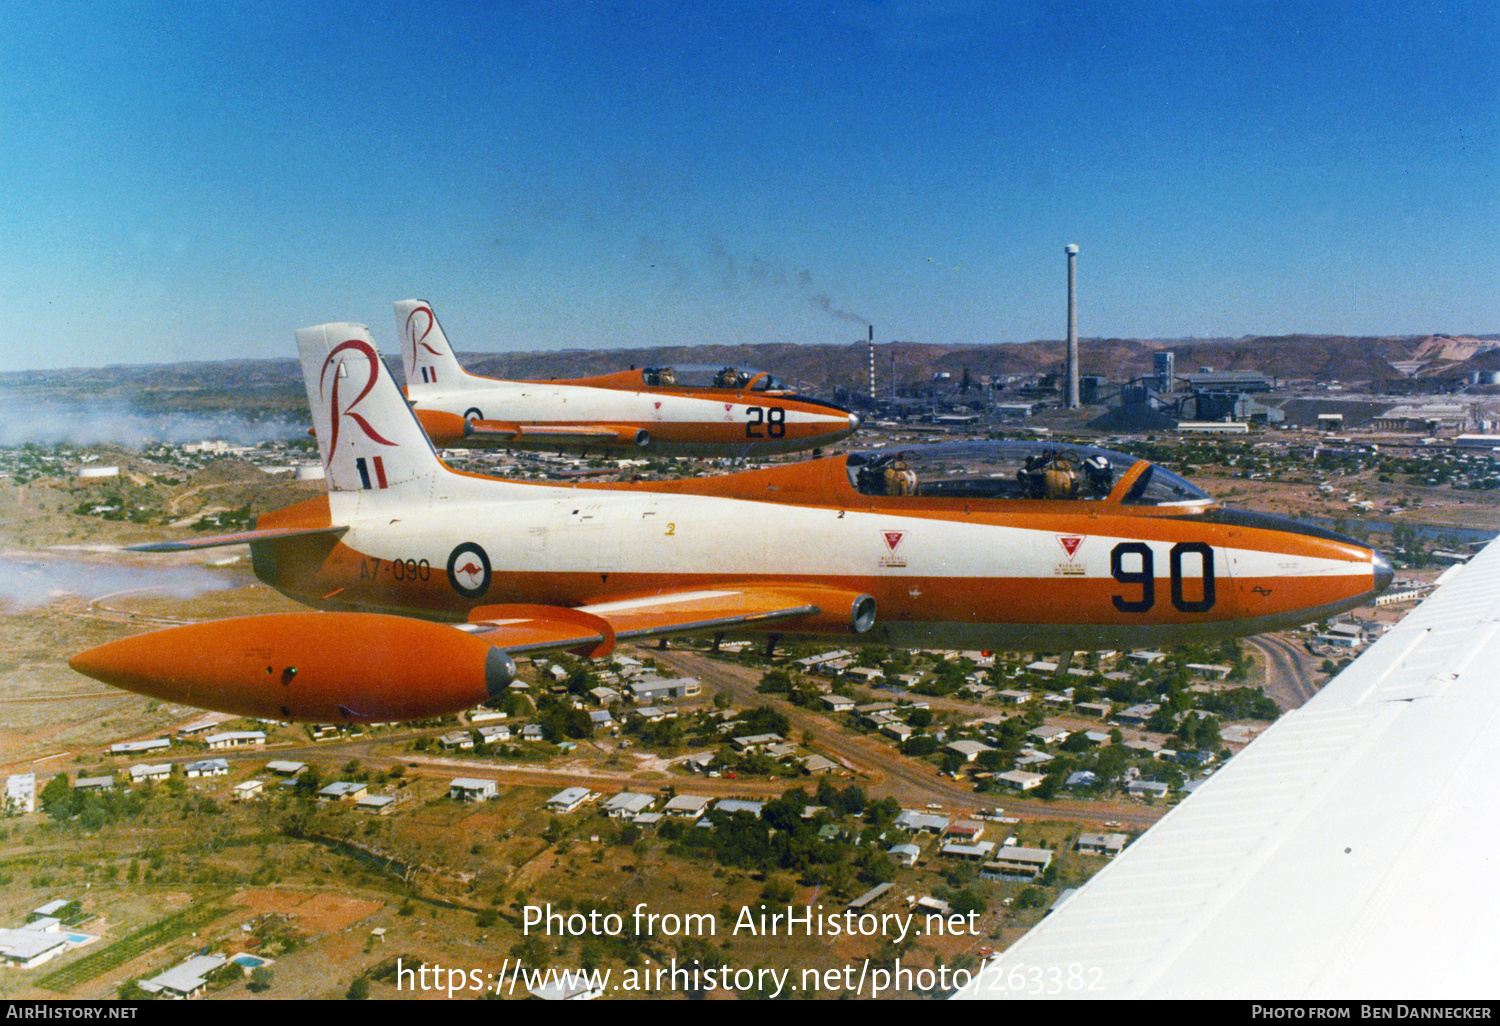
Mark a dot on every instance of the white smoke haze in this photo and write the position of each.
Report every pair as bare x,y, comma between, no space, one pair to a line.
46,423
30,581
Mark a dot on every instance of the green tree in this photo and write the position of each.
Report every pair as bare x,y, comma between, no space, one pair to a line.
56,796
919,745
775,682
1031,897
1162,721
995,760
580,681
531,951
561,722
1077,742
969,900
1113,759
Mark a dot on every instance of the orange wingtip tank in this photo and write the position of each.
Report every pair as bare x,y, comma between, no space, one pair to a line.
320,667
443,428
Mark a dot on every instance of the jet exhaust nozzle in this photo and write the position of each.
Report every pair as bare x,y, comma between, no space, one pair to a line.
862,615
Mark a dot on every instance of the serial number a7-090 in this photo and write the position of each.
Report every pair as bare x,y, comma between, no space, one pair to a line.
372,567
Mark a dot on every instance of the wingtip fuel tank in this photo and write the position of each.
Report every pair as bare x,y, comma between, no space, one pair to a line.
317,667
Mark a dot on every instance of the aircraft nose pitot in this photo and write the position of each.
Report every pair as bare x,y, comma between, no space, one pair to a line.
1381,567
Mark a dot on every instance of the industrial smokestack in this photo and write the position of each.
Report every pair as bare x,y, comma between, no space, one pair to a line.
872,363
1073,400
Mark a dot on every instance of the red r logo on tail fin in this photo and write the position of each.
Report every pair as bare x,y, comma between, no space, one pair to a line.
336,409
419,324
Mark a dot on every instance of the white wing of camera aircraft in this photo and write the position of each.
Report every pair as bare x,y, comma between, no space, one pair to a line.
1352,851
664,410
953,546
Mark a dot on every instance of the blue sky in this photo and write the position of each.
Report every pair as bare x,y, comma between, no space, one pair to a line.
195,181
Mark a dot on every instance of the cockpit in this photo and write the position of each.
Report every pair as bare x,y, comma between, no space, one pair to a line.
696,376
1019,470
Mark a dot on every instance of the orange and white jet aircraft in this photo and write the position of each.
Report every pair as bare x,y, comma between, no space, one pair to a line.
661,410
441,577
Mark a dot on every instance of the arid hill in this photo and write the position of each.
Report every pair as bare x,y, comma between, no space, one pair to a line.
276,385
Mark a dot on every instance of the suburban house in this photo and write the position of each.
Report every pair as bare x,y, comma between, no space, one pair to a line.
207,768
1017,863
1100,844
1020,780
344,791
469,789
237,739
693,805
628,805
653,691
970,750
570,800
142,772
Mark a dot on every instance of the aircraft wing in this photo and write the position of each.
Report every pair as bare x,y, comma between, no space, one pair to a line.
596,627
508,431
214,541
1351,851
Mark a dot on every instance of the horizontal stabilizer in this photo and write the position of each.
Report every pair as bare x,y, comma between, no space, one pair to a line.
214,541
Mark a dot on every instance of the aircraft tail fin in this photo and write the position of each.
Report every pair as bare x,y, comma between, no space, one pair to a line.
367,435
426,355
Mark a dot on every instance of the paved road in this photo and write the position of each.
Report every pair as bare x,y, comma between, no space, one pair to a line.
885,771
1291,671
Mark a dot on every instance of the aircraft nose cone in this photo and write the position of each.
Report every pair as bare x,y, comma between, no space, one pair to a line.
1384,574
853,422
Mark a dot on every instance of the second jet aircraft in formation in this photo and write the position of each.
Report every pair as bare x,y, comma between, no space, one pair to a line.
670,411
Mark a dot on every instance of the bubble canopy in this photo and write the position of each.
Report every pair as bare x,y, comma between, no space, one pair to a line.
713,376
1020,471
